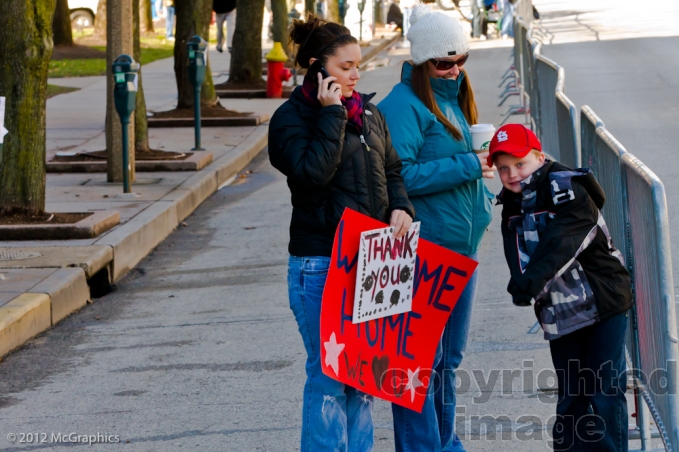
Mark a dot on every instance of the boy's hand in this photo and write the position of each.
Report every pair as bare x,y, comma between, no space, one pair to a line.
401,222
521,301
487,171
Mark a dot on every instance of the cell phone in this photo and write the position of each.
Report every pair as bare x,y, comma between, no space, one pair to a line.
316,68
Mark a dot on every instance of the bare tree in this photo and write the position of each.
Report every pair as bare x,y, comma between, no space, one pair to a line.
146,19
100,20
333,11
141,126
25,51
61,25
246,58
192,18
279,9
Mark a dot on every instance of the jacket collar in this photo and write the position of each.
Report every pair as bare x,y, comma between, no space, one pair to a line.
444,89
311,111
527,185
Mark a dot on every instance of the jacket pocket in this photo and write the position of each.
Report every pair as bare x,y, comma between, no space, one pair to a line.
570,304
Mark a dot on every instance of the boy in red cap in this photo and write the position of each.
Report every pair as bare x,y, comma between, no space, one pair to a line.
562,261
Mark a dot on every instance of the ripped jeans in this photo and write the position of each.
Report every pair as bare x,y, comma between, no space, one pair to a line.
335,417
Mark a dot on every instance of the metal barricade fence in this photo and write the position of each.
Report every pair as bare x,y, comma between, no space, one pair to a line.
520,31
517,48
654,296
526,56
589,122
547,73
524,10
636,215
605,164
601,153
567,125
532,48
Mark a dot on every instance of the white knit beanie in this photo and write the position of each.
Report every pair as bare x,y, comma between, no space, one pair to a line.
434,35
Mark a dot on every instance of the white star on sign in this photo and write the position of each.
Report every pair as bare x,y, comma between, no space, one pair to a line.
332,352
413,382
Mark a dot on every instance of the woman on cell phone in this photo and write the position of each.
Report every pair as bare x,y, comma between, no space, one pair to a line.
334,147
430,114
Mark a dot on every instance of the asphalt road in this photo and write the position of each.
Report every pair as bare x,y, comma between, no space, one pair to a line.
197,349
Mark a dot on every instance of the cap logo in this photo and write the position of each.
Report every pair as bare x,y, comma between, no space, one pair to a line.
502,136
452,52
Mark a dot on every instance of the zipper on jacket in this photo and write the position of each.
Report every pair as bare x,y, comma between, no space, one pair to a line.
367,148
368,167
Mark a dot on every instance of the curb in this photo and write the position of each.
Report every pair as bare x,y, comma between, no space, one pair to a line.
209,122
66,290
132,241
88,227
22,318
378,48
197,161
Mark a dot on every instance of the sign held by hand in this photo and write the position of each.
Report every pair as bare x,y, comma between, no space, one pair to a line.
390,357
384,281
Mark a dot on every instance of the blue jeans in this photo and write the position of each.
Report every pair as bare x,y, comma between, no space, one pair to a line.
591,373
433,429
335,417
169,22
507,20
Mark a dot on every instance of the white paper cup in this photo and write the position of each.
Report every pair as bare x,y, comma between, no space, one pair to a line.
481,136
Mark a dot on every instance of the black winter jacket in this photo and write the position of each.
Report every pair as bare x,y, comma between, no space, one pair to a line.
331,165
223,6
559,251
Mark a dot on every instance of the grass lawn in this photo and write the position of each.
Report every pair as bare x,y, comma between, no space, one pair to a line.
54,90
152,49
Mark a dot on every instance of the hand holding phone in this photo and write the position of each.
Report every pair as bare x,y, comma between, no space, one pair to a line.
329,93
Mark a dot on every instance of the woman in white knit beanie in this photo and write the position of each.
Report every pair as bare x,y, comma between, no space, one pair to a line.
429,115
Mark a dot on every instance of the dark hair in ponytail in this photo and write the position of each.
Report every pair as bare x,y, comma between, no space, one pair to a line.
318,38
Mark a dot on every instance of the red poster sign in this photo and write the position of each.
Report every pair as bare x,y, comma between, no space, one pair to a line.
391,357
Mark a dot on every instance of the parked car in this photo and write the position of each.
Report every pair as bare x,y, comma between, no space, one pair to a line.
83,12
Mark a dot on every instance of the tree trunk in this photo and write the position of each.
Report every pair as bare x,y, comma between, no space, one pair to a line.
25,51
279,9
377,14
141,126
192,17
146,19
333,11
246,58
100,20
309,7
61,25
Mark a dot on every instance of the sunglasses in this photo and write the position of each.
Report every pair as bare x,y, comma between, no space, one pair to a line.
446,65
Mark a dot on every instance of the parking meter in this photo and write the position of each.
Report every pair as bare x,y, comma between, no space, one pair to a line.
125,98
197,48
361,8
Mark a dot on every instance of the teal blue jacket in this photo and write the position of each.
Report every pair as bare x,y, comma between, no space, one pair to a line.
442,175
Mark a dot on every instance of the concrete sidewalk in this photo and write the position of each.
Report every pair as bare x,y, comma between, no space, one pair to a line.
41,282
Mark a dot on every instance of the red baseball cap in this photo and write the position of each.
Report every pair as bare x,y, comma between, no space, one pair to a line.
513,139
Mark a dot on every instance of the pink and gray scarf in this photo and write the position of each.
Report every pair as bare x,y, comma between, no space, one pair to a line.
354,104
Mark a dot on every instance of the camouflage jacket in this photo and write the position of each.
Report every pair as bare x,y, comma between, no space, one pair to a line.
560,254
